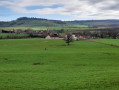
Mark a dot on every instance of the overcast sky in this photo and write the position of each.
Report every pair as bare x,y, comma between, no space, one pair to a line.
59,9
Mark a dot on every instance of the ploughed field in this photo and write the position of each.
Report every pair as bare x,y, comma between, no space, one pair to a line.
39,64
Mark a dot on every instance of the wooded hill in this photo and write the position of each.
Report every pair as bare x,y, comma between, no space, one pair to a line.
35,22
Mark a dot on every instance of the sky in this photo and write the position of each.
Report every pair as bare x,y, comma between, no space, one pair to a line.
66,10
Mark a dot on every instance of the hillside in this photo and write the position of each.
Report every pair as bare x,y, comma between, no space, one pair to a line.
95,22
31,22
36,22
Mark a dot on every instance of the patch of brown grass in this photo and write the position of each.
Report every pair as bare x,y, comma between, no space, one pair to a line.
38,63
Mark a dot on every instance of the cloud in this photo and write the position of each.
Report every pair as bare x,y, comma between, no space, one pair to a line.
92,9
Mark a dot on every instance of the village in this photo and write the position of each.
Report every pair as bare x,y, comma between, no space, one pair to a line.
48,34
62,34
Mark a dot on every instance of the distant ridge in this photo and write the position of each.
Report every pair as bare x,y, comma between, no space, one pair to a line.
35,22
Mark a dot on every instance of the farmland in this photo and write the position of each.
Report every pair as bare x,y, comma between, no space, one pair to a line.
44,24
45,28
84,65
74,27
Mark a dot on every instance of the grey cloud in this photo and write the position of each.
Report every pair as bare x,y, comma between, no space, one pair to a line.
93,1
82,8
106,6
112,7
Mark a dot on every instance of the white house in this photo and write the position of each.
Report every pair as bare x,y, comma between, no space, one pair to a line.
74,37
48,37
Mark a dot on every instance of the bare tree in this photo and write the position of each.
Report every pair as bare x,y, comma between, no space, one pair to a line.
68,39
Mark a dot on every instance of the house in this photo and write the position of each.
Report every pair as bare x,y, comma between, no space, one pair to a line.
64,36
48,37
74,37
80,37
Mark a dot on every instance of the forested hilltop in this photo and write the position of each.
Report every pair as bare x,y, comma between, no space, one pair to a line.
36,22
31,22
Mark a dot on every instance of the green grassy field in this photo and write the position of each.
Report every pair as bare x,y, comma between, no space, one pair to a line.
84,65
45,28
52,28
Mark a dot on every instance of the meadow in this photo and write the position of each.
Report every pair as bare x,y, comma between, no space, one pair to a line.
75,27
84,65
